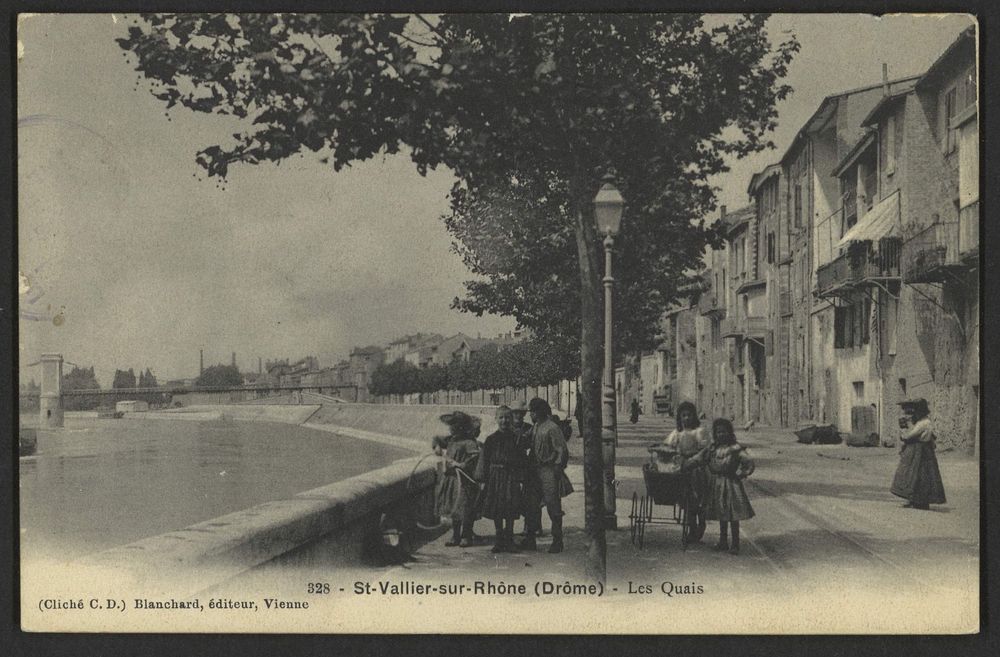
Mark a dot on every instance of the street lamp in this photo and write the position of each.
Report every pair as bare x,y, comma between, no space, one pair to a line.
608,207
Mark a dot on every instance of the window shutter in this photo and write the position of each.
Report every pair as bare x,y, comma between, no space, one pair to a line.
839,315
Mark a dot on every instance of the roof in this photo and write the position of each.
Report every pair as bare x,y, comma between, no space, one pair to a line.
738,218
964,46
370,349
859,147
757,179
881,107
824,111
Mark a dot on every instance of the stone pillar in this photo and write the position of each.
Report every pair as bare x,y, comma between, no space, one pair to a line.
51,394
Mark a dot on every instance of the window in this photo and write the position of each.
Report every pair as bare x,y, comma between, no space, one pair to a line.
950,110
969,88
859,390
798,204
889,157
839,327
770,248
852,325
897,144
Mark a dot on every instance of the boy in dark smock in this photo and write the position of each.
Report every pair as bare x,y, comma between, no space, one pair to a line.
546,483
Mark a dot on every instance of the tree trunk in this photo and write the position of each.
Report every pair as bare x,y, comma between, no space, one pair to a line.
591,369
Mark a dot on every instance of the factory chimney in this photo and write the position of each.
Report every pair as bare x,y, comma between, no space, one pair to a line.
201,362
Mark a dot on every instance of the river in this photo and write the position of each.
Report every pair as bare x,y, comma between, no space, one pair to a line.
97,484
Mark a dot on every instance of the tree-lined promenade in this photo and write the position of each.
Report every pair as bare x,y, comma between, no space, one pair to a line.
529,363
530,114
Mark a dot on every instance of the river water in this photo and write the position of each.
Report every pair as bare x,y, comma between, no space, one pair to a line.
97,484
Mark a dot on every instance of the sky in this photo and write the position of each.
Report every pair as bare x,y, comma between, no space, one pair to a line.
128,258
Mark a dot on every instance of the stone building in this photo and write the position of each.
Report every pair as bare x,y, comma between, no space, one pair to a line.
928,327
721,325
363,362
835,342
851,282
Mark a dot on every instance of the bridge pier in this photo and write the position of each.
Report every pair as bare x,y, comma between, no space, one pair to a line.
50,399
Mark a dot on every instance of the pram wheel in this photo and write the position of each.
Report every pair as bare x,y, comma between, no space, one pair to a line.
633,517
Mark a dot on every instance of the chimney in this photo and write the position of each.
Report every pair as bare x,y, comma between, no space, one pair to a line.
885,79
722,212
260,367
201,362
234,359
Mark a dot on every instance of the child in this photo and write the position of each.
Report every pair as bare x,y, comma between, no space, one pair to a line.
501,468
457,490
728,465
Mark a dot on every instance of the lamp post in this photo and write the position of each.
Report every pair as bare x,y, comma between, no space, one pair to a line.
608,207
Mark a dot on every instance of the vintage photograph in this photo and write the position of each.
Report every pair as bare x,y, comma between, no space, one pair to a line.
482,323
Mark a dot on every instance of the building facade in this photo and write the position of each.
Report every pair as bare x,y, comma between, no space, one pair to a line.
851,281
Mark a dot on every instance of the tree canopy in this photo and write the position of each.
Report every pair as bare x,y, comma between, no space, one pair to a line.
218,376
80,378
124,379
529,113
147,379
529,363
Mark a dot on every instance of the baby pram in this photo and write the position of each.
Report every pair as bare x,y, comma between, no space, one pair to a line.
667,484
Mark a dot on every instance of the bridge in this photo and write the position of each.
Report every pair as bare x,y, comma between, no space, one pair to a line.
52,400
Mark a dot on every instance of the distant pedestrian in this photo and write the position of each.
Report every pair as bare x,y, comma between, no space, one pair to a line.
546,482
457,490
918,478
634,411
501,470
728,465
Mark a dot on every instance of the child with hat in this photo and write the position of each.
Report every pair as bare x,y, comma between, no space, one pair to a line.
457,489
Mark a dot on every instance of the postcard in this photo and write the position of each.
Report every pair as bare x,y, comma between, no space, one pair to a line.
499,323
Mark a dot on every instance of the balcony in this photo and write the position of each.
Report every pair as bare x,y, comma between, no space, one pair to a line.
709,305
755,327
860,265
748,285
968,231
932,254
731,327
745,327
834,276
878,264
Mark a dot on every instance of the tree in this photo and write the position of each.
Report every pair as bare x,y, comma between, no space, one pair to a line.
552,101
147,379
124,379
220,376
80,378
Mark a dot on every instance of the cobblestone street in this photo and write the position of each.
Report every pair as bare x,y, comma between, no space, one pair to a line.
830,550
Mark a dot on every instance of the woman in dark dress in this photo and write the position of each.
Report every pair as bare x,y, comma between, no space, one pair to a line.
918,479
501,469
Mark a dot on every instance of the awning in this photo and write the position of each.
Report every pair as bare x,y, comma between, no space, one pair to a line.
881,220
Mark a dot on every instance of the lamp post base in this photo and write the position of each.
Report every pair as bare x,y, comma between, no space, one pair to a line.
611,522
